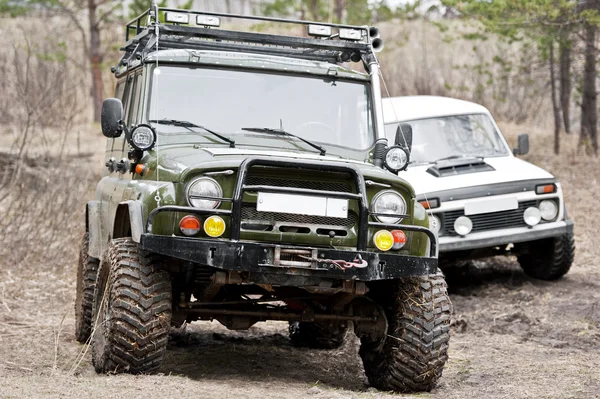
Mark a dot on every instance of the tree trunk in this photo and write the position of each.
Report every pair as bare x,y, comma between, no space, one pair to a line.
565,79
96,58
555,106
340,6
589,112
314,9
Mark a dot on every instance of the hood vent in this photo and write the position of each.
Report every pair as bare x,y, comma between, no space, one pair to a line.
462,168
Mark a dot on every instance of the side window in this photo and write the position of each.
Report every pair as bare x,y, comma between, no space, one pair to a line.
120,90
140,96
135,99
127,97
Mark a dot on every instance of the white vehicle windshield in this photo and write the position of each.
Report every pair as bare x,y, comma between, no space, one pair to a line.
452,137
319,109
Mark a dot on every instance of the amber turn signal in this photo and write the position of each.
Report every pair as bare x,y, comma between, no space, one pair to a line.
430,203
545,189
189,225
141,169
399,239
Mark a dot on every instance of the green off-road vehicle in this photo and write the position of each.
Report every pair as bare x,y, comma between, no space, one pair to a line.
248,178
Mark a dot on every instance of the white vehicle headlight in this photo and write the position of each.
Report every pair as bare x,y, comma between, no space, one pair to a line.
204,187
532,216
548,209
388,202
463,225
396,159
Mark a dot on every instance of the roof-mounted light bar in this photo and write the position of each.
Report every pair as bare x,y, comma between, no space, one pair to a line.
207,20
177,18
320,30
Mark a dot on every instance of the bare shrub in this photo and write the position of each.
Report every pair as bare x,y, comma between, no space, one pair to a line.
42,187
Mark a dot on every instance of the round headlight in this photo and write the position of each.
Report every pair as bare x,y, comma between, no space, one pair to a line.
532,216
396,159
204,187
143,137
463,225
388,202
548,209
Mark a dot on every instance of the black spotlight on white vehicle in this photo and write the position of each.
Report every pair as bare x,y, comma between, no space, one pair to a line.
142,137
396,159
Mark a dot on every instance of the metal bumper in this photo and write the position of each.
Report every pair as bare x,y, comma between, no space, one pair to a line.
501,237
258,258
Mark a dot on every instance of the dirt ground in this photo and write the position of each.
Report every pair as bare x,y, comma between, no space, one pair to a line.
513,337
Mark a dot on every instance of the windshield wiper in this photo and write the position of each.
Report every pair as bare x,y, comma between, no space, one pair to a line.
283,133
189,126
457,157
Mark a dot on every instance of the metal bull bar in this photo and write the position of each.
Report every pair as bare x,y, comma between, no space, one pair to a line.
322,166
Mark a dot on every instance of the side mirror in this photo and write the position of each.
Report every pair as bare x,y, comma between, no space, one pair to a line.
404,136
523,145
112,117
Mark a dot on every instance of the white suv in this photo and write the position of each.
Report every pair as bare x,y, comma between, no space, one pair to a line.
483,200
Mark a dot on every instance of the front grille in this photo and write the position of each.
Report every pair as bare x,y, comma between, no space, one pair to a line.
488,221
337,186
249,213
252,219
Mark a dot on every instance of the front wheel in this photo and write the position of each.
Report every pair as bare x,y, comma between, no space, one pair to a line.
412,356
132,306
549,259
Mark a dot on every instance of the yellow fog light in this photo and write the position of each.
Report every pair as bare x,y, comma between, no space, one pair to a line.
384,240
214,226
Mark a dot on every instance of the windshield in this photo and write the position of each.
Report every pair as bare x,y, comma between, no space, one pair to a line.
322,110
452,136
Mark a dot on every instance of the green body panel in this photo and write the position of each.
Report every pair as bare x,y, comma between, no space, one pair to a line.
180,157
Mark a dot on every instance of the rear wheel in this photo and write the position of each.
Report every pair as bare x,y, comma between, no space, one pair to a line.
412,356
316,335
87,269
549,259
132,304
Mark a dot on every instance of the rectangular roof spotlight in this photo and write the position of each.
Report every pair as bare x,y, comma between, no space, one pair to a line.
177,18
320,30
207,20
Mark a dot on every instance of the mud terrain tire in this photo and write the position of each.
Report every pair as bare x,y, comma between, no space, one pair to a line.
317,336
412,356
549,259
132,306
87,269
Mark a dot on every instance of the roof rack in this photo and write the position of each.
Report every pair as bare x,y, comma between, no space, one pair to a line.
198,30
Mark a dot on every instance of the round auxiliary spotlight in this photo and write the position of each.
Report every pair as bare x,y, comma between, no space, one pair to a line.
396,159
143,137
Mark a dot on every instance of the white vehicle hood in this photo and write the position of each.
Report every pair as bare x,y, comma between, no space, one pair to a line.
507,169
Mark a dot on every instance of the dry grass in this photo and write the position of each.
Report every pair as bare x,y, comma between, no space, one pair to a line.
517,337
